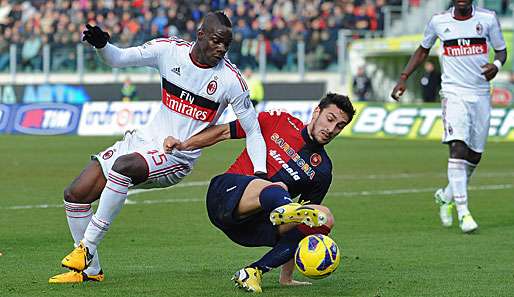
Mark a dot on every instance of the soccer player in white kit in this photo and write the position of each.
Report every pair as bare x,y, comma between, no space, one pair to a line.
464,31
198,82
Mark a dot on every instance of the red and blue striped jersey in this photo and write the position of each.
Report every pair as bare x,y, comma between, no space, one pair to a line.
292,156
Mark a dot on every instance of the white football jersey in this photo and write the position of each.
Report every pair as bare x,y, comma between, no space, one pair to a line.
465,48
193,95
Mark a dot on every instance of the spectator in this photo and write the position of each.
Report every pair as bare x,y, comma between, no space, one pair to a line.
280,24
255,86
362,88
128,91
430,83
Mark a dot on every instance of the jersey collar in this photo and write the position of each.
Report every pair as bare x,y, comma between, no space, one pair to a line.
310,144
196,63
463,18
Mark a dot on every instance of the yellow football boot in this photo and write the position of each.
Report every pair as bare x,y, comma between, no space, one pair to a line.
73,277
297,213
78,259
248,279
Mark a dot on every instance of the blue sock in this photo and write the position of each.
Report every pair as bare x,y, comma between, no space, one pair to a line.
274,196
282,252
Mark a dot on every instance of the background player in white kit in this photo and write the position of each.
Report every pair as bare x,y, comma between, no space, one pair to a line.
198,83
464,31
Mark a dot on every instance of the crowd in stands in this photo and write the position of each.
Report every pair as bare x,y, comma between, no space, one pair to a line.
278,24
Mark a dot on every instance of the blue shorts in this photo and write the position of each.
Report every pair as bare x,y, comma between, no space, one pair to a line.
225,192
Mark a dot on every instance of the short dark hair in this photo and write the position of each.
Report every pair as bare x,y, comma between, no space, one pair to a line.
223,18
341,101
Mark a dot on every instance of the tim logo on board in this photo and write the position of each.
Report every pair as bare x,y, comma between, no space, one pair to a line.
4,117
46,119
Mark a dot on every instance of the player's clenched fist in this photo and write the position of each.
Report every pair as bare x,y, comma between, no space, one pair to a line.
398,90
96,36
489,71
171,143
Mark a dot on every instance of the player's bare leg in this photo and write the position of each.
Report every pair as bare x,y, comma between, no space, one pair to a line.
78,196
274,199
126,170
250,277
250,201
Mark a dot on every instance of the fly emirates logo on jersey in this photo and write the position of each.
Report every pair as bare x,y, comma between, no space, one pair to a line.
465,47
187,103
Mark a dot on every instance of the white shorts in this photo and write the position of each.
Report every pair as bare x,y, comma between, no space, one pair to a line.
164,170
466,118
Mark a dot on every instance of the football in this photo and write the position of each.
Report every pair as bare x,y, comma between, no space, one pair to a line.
317,256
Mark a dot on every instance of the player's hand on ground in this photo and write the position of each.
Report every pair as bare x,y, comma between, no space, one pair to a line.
96,36
489,71
292,282
398,90
171,143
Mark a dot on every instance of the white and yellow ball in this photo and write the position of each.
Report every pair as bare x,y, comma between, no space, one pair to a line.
317,256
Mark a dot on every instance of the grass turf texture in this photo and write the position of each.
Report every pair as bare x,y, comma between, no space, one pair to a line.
387,226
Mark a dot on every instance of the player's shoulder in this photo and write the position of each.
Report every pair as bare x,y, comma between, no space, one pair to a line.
322,164
442,15
485,13
232,73
170,41
326,161
281,114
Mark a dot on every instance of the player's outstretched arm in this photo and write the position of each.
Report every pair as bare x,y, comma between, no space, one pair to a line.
415,60
207,137
286,275
145,55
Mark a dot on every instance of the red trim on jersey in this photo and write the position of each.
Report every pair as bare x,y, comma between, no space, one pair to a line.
463,18
242,82
174,170
198,64
187,103
166,168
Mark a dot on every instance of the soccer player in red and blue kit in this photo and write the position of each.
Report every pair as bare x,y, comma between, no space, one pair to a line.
257,212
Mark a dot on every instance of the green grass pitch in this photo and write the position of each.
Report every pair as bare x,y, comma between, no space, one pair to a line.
387,226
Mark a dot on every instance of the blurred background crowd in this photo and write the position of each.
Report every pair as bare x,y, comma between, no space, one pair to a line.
280,25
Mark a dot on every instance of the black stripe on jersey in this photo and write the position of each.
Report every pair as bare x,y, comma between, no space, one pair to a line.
197,100
472,41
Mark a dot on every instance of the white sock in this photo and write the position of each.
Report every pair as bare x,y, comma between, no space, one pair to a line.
111,201
448,194
94,267
457,179
78,216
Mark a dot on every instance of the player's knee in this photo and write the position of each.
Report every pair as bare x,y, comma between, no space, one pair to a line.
474,157
70,195
330,217
131,166
458,150
281,184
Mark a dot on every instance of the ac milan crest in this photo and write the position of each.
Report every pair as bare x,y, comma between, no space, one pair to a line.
479,29
107,154
212,87
315,159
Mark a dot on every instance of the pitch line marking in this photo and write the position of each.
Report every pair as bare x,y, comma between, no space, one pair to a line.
346,194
